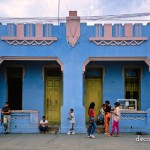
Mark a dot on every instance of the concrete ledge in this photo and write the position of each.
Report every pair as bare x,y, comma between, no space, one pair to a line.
23,121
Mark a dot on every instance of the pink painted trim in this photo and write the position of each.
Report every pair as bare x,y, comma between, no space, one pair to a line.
72,30
128,28
72,18
20,30
72,13
29,38
39,30
107,30
117,38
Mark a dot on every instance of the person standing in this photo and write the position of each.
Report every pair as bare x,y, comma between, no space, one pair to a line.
72,121
6,117
107,117
101,115
116,117
92,123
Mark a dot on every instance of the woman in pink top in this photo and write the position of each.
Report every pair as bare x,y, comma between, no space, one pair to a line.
92,123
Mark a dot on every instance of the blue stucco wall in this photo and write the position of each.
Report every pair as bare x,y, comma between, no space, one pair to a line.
73,59
33,88
145,86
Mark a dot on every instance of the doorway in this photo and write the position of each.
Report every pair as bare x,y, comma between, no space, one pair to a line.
53,95
132,84
93,90
14,87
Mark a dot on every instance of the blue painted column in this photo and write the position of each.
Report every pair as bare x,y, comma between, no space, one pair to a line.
33,88
73,97
3,87
148,120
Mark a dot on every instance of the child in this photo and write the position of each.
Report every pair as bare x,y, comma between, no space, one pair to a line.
107,116
116,117
101,115
72,121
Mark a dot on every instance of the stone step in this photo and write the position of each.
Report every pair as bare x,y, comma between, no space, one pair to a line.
53,130
100,129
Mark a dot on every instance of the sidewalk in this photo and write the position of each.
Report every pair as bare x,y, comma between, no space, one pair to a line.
72,142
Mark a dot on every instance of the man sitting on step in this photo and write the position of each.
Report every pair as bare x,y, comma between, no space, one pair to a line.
43,125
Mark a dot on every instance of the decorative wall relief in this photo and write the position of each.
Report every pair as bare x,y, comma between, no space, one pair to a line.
25,116
72,28
123,35
133,116
28,34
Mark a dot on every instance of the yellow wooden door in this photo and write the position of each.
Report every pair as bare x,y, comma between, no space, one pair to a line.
93,93
53,99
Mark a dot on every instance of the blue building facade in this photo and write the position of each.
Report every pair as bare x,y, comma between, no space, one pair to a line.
51,68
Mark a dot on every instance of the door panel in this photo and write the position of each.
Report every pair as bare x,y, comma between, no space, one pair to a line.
132,89
132,84
14,87
53,99
93,93
15,93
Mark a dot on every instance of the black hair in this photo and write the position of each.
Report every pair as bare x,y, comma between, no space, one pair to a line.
43,117
107,102
72,109
92,105
117,104
7,103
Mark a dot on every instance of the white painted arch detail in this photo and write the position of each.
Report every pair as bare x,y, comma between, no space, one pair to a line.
145,59
29,58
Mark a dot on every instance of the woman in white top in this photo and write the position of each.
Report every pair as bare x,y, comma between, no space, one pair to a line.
116,117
